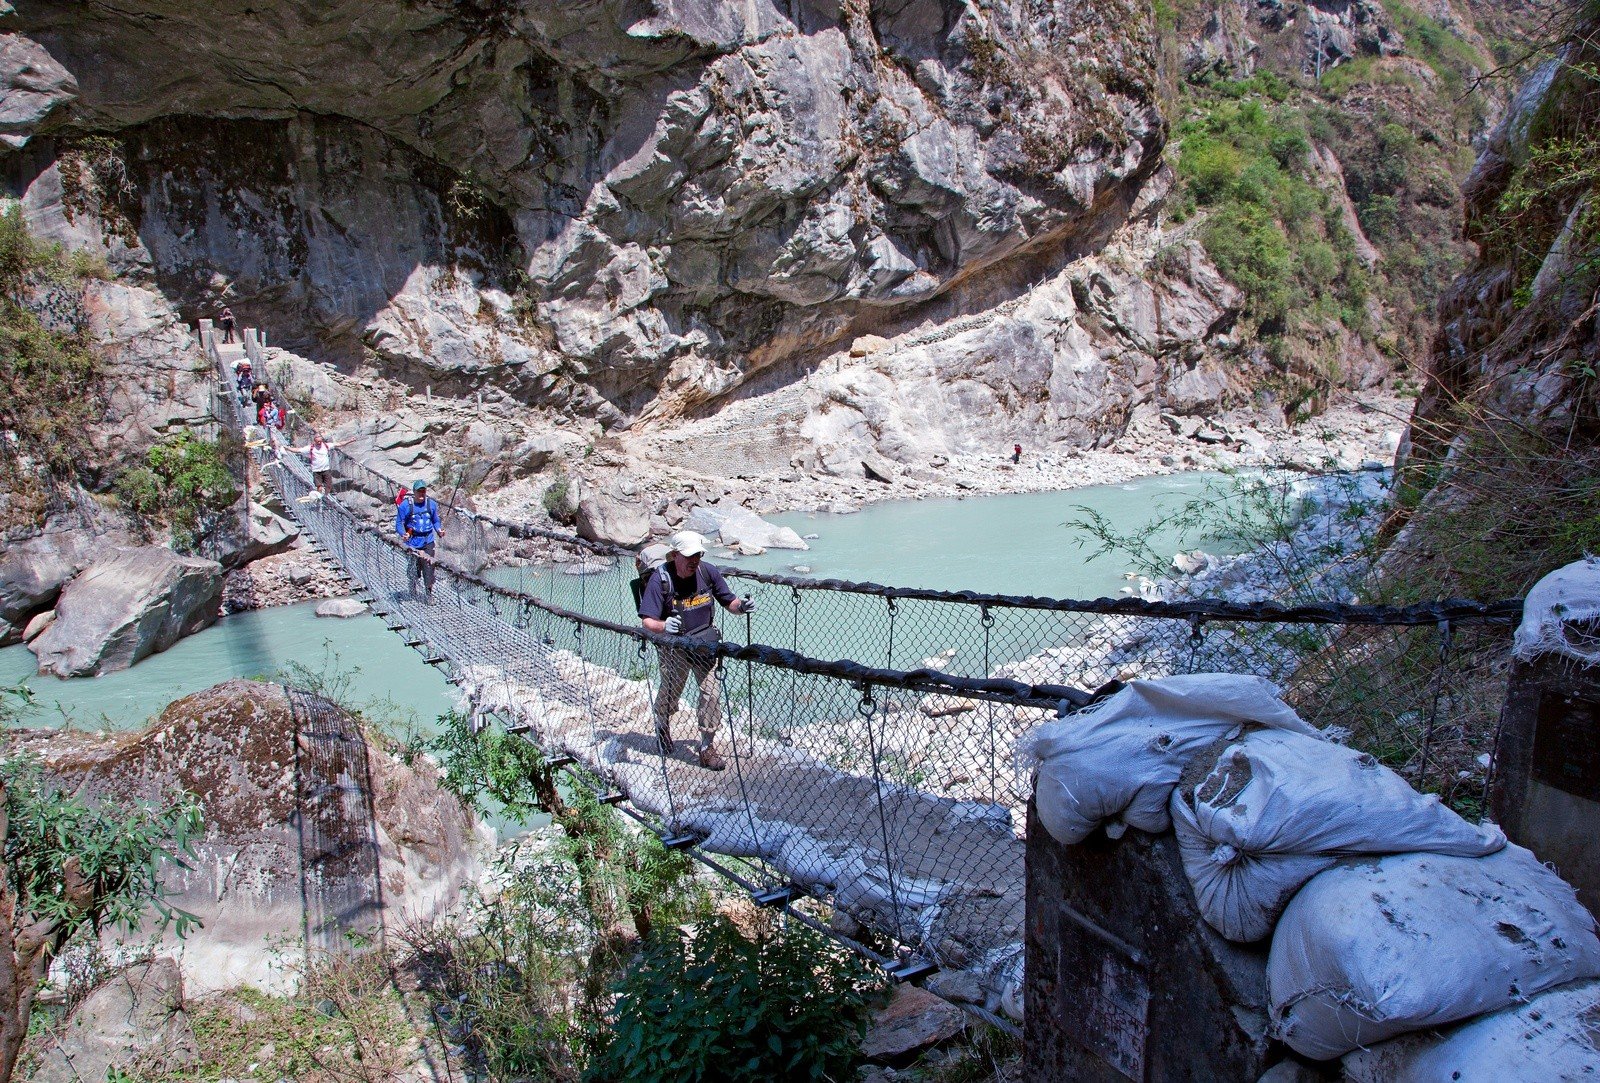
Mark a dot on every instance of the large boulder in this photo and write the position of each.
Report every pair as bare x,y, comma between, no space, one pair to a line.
135,1012
33,567
127,606
605,518
308,826
266,533
742,528
32,87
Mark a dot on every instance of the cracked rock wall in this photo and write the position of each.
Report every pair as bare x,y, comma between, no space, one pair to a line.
622,206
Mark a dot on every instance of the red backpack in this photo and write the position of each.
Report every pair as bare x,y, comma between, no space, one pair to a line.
400,498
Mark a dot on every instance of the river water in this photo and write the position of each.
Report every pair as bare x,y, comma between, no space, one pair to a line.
1013,544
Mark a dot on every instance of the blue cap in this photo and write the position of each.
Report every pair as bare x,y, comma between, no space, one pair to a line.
420,483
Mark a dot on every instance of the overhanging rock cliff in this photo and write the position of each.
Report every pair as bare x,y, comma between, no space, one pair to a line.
620,203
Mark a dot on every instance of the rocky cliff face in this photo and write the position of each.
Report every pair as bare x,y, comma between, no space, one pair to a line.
287,836
1505,441
635,205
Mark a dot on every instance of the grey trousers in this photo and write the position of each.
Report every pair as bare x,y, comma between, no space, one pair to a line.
421,569
676,665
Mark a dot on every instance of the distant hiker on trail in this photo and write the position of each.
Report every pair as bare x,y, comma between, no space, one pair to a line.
676,600
1016,453
225,321
416,520
320,452
243,380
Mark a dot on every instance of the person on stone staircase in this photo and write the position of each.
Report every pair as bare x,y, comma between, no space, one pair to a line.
243,379
416,520
677,600
225,321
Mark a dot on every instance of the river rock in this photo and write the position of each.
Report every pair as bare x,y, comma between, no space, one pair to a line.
136,1011
126,606
939,705
384,846
341,607
914,1020
33,568
37,625
604,518
735,526
591,566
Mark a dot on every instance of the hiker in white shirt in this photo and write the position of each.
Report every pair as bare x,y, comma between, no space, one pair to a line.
320,453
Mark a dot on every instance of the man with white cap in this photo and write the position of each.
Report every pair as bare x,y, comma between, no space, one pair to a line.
677,600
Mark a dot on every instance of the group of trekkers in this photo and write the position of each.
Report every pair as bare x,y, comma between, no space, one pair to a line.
676,592
417,521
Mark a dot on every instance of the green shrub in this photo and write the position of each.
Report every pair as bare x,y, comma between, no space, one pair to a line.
1251,251
49,379
184,480
557,500
1271,230
713,1004
74,868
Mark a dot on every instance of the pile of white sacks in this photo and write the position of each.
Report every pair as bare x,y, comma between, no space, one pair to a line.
1387,912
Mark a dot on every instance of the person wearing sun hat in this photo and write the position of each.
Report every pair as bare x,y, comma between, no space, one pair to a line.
416,520
677,600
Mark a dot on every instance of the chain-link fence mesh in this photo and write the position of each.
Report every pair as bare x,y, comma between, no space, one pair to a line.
888,781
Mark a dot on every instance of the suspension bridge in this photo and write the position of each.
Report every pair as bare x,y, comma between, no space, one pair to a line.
884,783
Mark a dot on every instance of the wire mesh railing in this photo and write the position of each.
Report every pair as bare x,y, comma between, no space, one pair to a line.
885,781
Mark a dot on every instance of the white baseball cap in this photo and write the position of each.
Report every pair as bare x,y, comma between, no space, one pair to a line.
687,543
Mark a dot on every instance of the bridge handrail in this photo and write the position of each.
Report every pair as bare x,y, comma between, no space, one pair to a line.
1503,612
932,681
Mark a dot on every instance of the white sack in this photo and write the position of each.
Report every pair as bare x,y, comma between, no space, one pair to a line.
1373,948
1553,1038
1567,595
1120,760
1279,807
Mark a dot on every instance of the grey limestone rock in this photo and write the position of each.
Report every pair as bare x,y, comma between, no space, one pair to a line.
33,86
341,608
607,518
673,198
33,567
137,1010
37,625
126,606
266,532
740,528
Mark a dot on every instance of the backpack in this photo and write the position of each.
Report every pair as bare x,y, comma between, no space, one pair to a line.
432,507
400,497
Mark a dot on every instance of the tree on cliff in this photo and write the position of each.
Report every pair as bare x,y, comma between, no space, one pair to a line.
71,867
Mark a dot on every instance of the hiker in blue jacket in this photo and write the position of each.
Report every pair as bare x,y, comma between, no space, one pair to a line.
416,520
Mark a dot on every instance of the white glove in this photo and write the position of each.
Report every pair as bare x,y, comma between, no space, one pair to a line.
674,625
747,604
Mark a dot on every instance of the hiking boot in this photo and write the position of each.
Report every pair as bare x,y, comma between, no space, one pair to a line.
665,738
711,760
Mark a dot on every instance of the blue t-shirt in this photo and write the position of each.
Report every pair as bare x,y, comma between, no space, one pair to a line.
667,594
421,519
